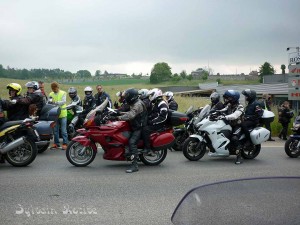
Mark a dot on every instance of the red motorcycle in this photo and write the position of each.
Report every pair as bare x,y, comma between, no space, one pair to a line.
113,137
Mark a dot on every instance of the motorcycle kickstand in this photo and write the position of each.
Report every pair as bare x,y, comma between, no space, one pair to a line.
238,157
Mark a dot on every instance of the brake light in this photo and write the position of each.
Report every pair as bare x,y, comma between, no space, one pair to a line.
183,118
52,125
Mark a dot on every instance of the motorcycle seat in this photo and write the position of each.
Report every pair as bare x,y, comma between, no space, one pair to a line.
10,123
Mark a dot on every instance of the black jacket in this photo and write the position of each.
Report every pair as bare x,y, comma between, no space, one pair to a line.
88,104
253,111
36,98
285,115
15,111
100,98
159,113
173,104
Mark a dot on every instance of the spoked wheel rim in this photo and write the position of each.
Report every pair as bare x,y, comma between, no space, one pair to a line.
192,150
21,154
293,148
153,156
80,154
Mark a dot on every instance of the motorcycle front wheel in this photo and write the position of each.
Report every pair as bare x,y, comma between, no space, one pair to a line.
192,149
79,155
154,158
178,142
23,155
291,149
251,152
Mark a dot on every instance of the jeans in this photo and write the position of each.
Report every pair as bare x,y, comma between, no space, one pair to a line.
62,124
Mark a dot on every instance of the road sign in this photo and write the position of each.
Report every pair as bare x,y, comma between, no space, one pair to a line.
294,57
294,70
293,94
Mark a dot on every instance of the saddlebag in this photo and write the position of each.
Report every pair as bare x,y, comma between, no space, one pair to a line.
259,135
49,112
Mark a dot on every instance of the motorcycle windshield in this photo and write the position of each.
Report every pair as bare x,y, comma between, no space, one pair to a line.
204,112
269,200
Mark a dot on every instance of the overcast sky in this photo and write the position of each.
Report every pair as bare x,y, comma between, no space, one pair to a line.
130,36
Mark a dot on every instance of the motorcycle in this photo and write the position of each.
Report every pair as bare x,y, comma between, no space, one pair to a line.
73,121
292,145
261,200
113,138
215,134
17,142
189,128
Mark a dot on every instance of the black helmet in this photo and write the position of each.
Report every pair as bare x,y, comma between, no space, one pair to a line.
249,94
231,96
214,97
131,95
72,92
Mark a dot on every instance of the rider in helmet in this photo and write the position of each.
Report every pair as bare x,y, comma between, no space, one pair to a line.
171,101
75,106
137,117
233,113
2,115
124,107
157,117
34,98
216,104
89,102
253,113
144,96
15,111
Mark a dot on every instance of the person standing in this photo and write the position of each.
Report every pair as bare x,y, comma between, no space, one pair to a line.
285,115
101,95
59,97
42,88
265,102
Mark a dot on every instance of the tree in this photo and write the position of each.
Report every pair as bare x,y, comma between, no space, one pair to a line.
205,75
266,69
97,73
183,74
84,74
160,72
283,68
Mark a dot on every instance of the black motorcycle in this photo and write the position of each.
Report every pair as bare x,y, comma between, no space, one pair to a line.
190,126
292,145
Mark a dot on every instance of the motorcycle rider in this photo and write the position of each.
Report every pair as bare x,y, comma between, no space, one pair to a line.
234,112
101,95
34,97
253,113
89,102
137,117
2,115
15,111
124,107
216,104
75,105
157,118
171,101
143,95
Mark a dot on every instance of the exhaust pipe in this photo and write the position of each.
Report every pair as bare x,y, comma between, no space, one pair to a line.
16,143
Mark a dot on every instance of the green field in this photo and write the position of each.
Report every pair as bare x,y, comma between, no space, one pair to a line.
113,82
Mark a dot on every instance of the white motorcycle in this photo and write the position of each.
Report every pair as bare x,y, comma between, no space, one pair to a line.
215,134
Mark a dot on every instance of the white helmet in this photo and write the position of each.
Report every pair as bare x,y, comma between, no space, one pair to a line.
88,91
143,93
154,94
169,95
119,94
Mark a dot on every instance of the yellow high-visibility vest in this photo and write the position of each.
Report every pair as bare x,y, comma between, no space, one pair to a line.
58,97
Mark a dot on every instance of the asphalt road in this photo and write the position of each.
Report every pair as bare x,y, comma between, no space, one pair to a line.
52,191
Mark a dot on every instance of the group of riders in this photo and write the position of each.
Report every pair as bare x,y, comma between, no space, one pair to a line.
145,110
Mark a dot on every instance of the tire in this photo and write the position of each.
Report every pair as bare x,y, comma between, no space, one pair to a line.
290,148
75,159
155,158
28,149
43,148
252,153
178,143
191,151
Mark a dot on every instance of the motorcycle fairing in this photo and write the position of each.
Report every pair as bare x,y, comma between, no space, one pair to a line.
295,136
9,129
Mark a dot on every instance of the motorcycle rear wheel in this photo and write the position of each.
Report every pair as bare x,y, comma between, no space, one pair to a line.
291,149
77,158
22,155
190,150
155,158
251,154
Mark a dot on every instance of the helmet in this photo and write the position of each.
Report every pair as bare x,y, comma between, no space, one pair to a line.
231,96
88,91
72,92
169,95
249,94
143,93
16,87
32,84
119,94
154,94
215,97
131,95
